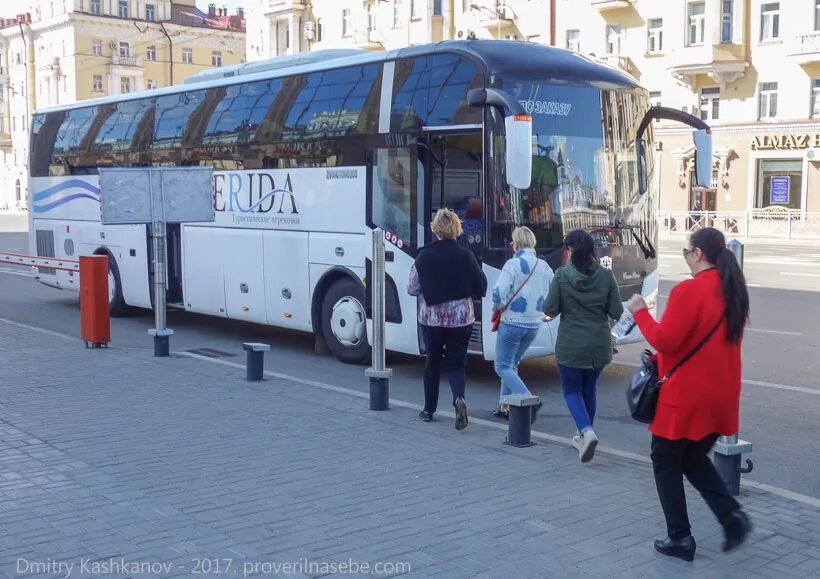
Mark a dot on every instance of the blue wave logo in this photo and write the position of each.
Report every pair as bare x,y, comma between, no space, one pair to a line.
43,201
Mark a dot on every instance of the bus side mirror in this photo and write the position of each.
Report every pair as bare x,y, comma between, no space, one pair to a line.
640,153
703,158
518,149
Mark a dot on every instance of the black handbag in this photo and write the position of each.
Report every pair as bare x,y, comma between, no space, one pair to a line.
645,386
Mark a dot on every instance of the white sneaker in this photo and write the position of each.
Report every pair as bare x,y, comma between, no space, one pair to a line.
589,441
577,441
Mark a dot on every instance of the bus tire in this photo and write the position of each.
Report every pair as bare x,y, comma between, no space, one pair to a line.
116,304
344,322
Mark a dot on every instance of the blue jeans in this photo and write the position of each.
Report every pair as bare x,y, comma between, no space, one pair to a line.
510,345
578,385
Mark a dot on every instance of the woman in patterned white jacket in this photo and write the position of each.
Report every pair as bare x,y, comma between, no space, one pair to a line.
522,313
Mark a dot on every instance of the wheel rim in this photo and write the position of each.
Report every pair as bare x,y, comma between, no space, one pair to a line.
112,286
348,322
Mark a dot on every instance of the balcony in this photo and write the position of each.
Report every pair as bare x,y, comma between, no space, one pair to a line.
280,7
622,62
606,5
806,48
129,61
723,63
367,39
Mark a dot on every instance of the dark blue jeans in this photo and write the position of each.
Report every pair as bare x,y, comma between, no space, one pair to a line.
578,385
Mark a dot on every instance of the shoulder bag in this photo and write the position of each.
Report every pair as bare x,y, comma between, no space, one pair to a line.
645,386
496,319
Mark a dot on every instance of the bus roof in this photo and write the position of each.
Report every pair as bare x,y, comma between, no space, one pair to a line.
524,60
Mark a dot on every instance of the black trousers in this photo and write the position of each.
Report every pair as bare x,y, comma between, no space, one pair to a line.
671,460
451,343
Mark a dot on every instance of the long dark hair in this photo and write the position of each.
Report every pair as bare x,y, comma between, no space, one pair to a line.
583,250
732,281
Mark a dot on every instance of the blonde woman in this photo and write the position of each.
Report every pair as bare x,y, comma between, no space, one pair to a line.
519,294
447,278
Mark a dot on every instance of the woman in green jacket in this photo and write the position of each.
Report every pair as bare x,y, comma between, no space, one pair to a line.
586,296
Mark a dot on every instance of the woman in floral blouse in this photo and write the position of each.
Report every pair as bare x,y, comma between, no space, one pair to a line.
447,278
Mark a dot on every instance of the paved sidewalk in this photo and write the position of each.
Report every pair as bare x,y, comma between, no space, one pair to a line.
112,456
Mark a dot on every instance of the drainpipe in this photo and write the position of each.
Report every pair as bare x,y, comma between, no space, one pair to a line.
552,22
452,22
28,54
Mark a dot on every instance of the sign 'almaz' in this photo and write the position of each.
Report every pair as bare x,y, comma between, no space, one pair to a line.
785,142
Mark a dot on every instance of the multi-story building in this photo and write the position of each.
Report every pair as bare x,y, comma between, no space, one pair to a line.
277,27
60,51
750,68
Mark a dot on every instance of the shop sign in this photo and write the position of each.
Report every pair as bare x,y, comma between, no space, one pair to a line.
785,142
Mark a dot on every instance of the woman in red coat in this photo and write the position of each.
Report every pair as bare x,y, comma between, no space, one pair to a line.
701,400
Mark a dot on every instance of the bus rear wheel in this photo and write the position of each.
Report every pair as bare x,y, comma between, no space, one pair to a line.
344,322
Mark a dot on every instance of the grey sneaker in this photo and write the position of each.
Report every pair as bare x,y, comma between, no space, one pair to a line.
589,441
461,414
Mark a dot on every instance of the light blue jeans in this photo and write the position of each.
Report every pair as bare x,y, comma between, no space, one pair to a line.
511,344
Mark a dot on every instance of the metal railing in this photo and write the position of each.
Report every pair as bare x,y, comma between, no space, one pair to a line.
771,222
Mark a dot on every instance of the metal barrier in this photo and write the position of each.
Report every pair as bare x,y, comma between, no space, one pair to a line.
37,261
768,222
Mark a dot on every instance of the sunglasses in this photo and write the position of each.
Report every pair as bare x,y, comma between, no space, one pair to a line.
687,251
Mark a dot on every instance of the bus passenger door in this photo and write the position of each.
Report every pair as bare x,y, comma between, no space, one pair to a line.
451,165
392,194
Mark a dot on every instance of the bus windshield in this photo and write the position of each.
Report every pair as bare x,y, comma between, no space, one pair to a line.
584,169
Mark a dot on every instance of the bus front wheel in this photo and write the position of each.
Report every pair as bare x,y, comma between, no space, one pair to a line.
116,303
344,322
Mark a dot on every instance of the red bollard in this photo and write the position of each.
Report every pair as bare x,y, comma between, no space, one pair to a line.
95,323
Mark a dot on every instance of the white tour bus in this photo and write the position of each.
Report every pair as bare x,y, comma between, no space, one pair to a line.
312,152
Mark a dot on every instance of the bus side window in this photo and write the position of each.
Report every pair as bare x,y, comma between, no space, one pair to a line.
393,191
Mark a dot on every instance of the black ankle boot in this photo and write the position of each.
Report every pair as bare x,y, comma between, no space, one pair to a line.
735,528
680,548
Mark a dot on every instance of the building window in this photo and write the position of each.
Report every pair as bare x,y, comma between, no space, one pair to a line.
95,6
767,101
815,98
726,18
123,9
96,47
346,23
125,49
397,9
97,86
655,99
574,40
710,104
696,23
125,84
779,183
13,124
613,39
320,29
216,58
18,189
413,9
465,5
149,84
817,15
436,7
150,12
371,17
770,21
151,52
187,56
654,44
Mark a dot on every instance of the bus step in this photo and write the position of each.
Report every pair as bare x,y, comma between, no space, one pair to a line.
176,306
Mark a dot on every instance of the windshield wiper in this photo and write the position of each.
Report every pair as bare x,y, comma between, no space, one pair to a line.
638,233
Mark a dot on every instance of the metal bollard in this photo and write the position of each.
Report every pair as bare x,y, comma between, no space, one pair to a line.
520,407
255,369
729,450
378,374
